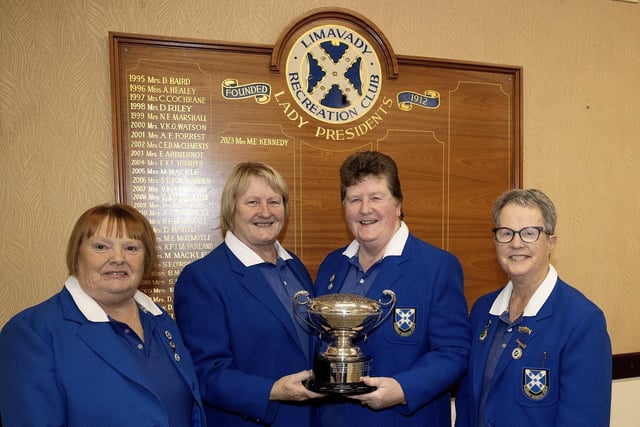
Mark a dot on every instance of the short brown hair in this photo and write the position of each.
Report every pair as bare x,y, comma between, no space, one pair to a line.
370,163
127,222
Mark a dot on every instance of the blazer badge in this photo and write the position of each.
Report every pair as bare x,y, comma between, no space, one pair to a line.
405,321
535,383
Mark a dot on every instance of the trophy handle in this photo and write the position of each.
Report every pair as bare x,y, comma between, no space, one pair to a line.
388,305
302,298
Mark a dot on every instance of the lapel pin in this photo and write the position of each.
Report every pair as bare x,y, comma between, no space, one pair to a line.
517,352
524,330
331,279
485,331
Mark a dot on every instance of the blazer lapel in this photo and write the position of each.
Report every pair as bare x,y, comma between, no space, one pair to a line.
254,282
335,280
176,354
479,360
390,271
101,338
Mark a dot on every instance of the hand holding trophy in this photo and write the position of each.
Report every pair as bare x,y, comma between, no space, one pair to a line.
346,318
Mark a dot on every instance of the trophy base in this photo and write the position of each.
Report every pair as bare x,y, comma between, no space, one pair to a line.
340,376
336,388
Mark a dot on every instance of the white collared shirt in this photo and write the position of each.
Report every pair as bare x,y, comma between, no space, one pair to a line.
92,310
540,296
248,256
394,247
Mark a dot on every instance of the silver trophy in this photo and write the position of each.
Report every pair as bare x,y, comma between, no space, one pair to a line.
344,318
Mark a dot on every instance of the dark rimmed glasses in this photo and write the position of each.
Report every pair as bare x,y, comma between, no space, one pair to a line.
529,234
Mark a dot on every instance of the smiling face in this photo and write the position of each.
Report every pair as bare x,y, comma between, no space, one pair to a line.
526,264
110,267
371,212
259,216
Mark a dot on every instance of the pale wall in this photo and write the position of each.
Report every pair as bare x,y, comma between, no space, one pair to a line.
581,62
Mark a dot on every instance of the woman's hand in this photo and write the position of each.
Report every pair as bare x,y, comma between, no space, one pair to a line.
388,393
291,387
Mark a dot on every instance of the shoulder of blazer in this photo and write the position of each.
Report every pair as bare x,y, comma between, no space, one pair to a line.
569,301
415,243
482,305
47,315
221,257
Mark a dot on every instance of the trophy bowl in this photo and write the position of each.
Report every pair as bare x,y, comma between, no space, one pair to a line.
343,318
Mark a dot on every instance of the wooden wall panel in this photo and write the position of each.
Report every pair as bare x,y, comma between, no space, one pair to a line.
457,145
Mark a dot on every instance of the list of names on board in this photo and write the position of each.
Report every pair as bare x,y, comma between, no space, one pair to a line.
168,123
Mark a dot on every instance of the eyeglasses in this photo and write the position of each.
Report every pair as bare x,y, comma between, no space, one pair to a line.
527,234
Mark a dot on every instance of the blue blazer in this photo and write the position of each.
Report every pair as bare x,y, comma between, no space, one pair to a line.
59,369
242,340
568,344
429,358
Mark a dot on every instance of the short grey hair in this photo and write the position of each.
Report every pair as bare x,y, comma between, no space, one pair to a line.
531,198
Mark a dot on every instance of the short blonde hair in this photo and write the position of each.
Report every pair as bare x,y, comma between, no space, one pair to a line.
237,184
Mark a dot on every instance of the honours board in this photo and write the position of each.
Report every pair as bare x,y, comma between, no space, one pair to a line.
185,112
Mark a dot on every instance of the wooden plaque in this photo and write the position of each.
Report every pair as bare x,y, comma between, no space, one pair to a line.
185,112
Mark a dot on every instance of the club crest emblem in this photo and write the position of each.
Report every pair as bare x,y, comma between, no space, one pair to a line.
535,383
334,74
405,321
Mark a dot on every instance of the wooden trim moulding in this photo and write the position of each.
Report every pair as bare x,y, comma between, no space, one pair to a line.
626,365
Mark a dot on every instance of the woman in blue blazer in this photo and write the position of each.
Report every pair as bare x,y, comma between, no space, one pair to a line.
99,353
421,351
540,352
235,310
